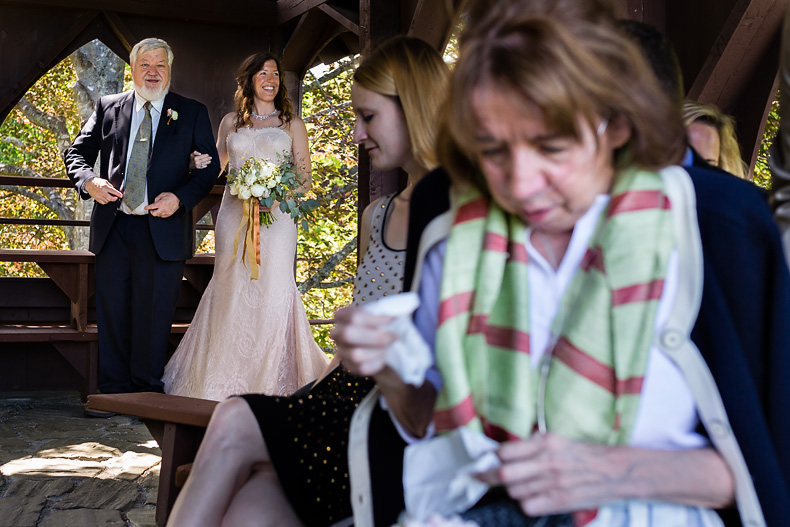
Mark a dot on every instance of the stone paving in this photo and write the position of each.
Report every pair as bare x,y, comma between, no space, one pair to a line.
61,469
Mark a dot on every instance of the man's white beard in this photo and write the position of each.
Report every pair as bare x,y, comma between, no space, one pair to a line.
151,95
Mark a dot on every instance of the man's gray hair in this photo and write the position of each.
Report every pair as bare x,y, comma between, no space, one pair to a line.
148,44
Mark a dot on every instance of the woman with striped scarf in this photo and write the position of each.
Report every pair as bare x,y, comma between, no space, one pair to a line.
559,294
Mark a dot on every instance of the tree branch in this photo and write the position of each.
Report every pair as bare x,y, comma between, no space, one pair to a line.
336,283
15,170
52,202
327,111
21,191
17,143
55,124
335,193
327,268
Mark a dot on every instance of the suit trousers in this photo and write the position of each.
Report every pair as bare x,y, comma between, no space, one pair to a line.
136,295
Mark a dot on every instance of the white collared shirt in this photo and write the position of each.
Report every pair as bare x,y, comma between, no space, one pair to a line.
137,118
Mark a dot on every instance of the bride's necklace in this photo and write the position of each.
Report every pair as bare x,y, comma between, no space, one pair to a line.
262,117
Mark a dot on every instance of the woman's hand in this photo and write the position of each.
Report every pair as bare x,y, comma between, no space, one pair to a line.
361,340
548,474
198,160
362,344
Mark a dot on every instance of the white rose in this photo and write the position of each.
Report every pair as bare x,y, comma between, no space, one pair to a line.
234,190
265,193
245,193
249,179
271,183
257,190
266,170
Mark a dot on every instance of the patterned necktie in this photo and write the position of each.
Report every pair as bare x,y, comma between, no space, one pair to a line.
138,162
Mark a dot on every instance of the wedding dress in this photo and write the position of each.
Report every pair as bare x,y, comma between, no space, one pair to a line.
248,336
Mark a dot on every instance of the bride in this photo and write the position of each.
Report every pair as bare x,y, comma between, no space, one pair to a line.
251,336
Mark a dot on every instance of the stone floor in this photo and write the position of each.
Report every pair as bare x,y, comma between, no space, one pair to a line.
61,469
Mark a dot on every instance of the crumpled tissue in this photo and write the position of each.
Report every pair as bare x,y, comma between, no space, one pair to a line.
439,473
409,355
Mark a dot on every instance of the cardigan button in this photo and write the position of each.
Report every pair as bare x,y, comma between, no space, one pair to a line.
671,339
719,429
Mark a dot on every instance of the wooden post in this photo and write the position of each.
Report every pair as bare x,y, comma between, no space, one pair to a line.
377,22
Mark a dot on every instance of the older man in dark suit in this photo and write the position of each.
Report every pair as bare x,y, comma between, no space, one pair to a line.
141,226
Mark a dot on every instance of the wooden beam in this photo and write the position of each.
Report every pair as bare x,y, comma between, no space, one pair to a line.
46,58
752,107
290,9
121,31
739,72
340,18
746,35
314,31
653,12
434,21
377,22
257,13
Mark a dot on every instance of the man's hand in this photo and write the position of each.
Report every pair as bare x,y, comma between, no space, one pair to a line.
164,205
102,191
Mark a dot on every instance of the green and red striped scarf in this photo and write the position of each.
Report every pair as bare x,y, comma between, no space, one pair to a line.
604,326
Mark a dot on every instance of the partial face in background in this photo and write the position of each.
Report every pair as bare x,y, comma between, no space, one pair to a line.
266,82
548,180
705,139
151,74
381,128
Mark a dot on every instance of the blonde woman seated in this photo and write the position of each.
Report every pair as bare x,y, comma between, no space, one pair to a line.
712,134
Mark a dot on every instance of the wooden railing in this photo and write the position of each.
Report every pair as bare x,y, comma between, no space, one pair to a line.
56,314
22,181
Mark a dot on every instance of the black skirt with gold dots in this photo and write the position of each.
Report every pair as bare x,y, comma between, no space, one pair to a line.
307,439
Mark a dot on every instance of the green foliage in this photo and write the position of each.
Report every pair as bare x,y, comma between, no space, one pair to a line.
762,175
330,121
27,145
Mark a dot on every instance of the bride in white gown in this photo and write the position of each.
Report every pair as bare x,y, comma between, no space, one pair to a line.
251,336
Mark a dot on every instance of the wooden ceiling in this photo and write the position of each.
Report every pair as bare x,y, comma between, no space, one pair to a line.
728,48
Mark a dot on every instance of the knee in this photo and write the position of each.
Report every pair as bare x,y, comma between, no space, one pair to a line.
233,428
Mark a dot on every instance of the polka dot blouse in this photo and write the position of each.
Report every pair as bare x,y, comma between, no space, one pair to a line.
380,271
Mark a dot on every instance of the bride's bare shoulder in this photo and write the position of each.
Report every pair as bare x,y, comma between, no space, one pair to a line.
227,126
295,128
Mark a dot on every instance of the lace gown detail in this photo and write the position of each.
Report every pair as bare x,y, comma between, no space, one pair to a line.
248,336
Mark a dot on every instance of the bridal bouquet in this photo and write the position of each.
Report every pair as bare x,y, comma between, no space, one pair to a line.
261,183
269,183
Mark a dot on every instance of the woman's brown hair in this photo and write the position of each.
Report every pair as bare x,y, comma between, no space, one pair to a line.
568,66
245,92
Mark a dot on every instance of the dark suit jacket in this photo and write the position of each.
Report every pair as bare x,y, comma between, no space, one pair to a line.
106,134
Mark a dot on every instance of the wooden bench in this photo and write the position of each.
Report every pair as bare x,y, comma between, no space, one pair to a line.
176,423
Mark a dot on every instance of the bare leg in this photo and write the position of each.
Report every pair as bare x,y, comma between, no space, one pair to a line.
261,503
232,448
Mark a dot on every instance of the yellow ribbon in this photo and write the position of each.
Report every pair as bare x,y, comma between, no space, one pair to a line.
250,249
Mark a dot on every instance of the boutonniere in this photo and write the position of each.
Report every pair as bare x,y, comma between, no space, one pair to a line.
172,115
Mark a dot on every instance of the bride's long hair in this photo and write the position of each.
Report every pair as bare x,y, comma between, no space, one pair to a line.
245,93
